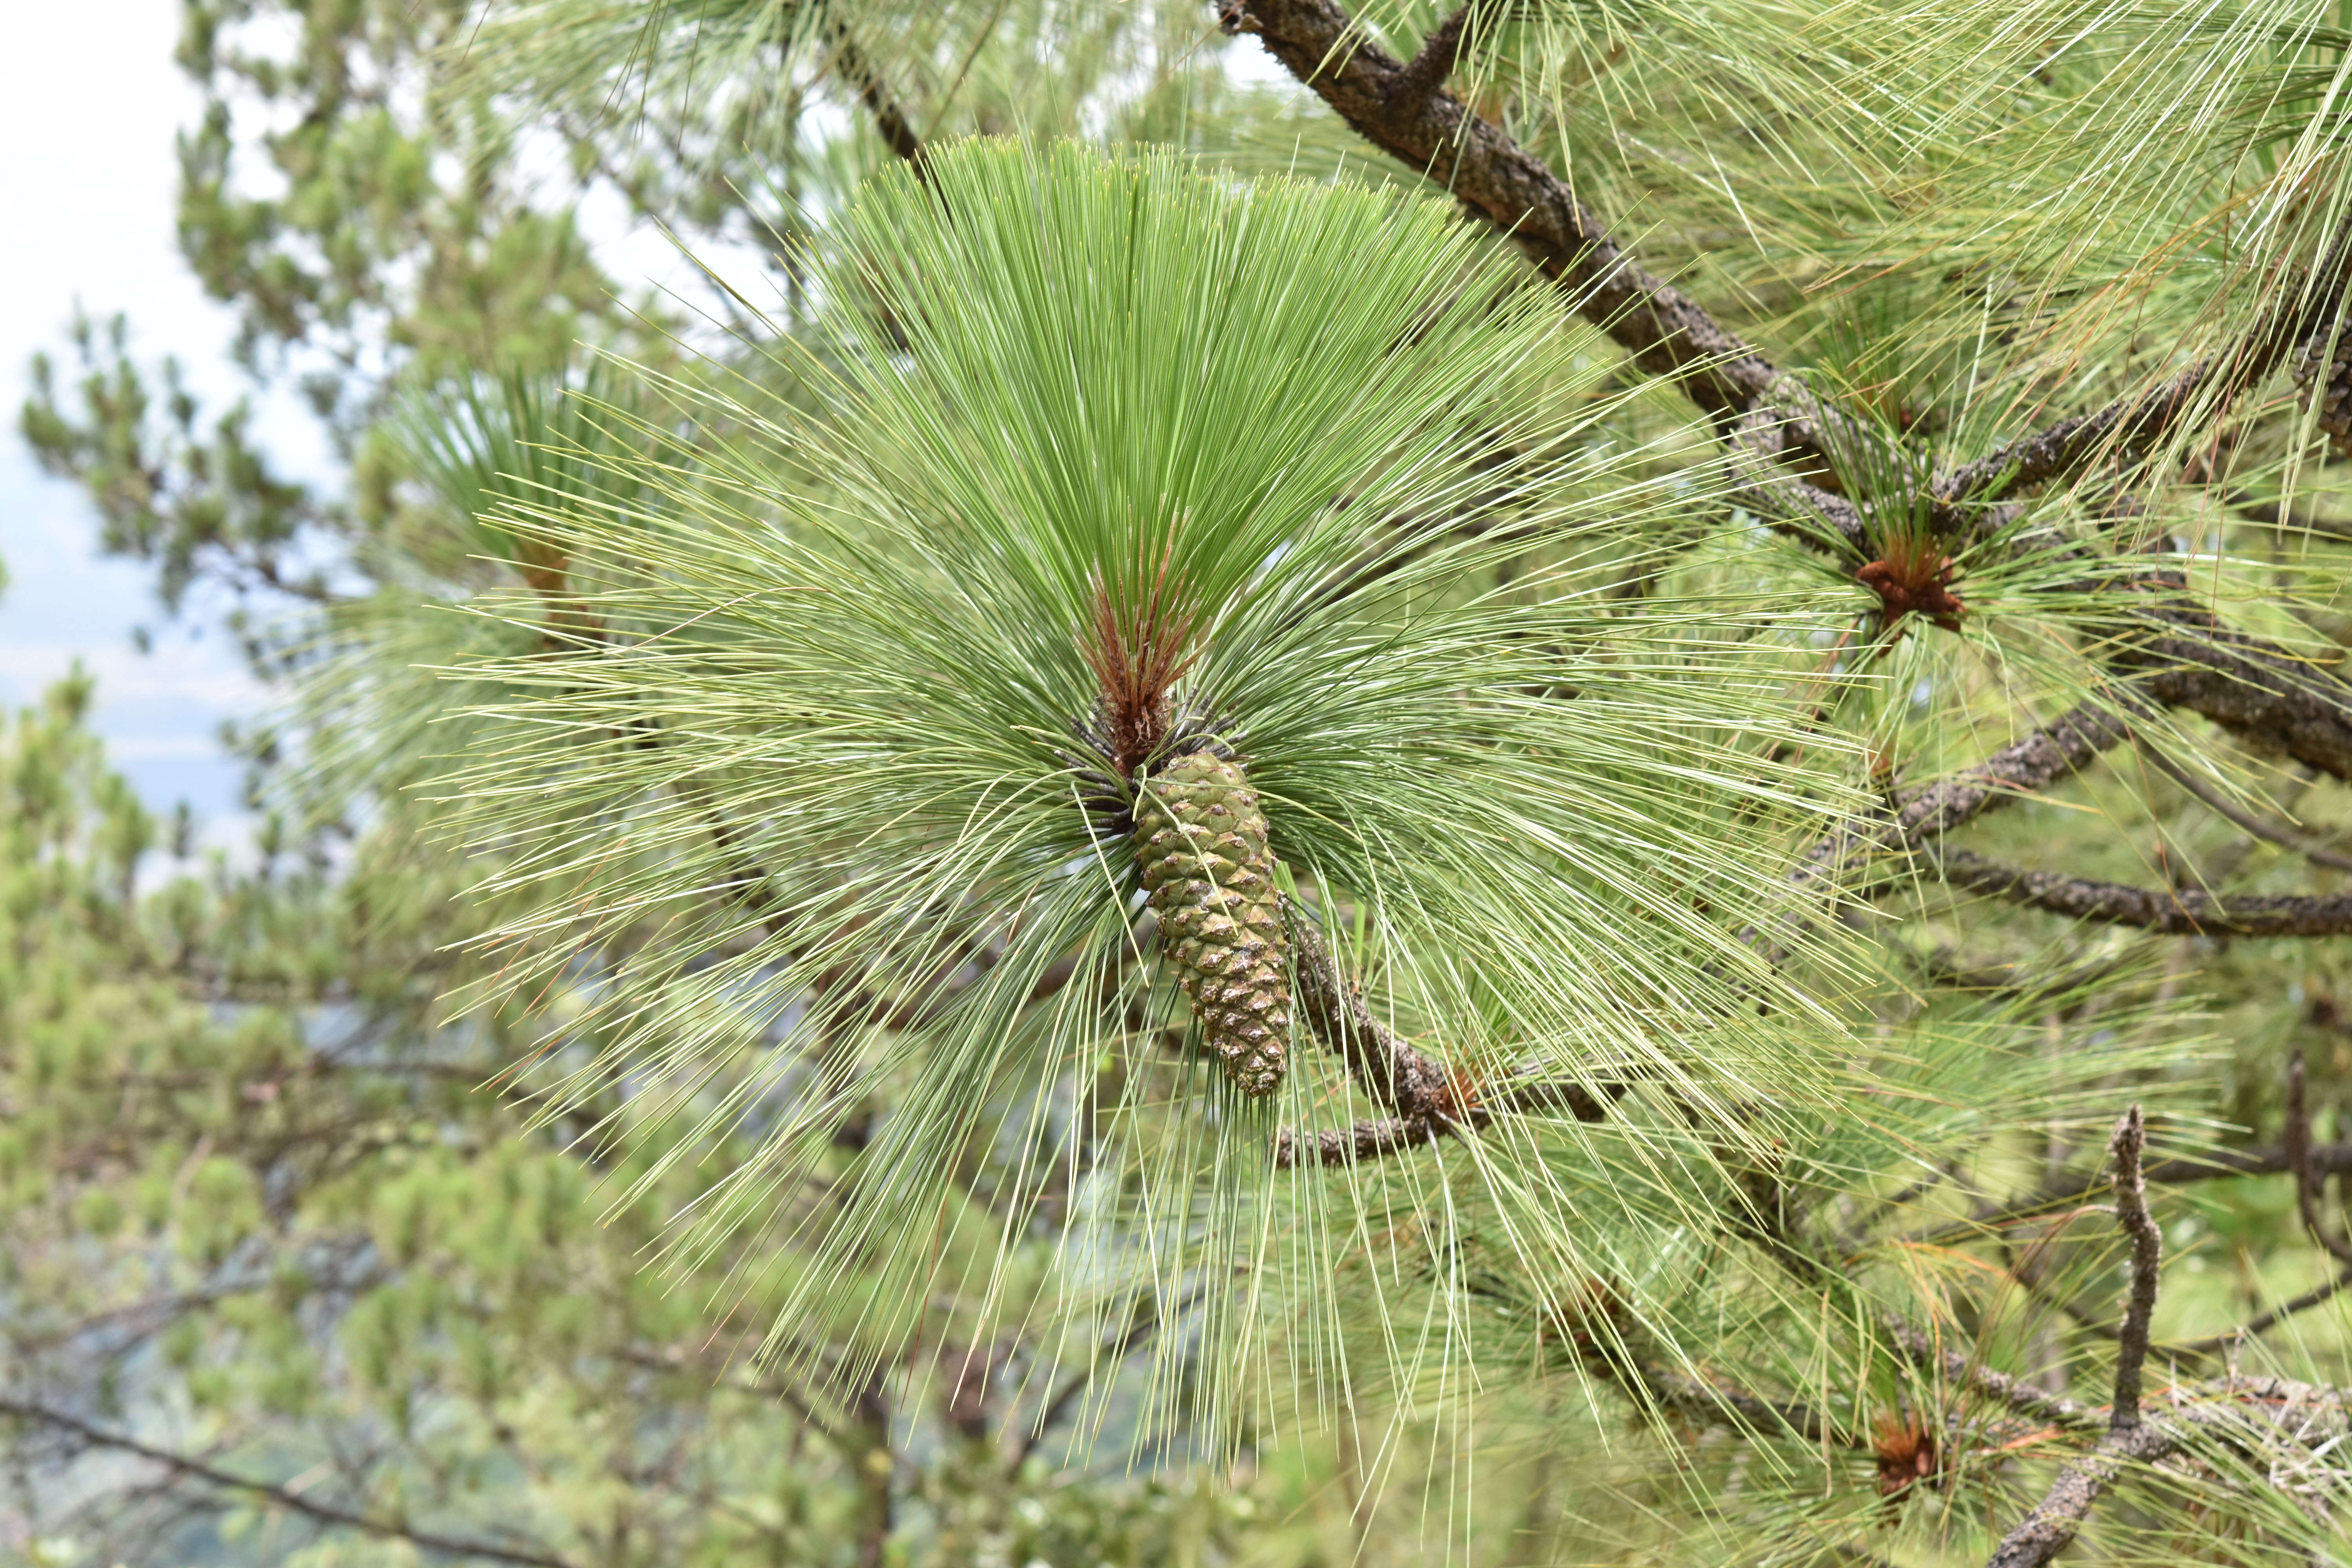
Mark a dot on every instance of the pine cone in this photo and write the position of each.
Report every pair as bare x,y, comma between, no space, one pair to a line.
2329,379
1199,838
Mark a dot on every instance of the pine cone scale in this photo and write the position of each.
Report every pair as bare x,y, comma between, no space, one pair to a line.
1201,842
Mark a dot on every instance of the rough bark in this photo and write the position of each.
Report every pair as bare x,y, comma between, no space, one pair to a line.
2058,751
857,68
2272,700
2175,911
1382,1063
1364,1142
2058,1517
2055,1520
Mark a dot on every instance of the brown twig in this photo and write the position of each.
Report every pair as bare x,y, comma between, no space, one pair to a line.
2129,1141
856,69
2058,1517
276,1495
1142,1322
1966,1371
1421,1095
2177,912
2309,1184
1364,1141
2054,1522
2139,421
2056,752
1405,109
1382,1063
2218,1164
2270,832
2180,654
1584,1103
2268,1321
1666,1388
1610,1343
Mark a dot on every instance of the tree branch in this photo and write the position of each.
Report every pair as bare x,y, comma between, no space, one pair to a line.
1418,1091
1967,1372
1363,1141
2058,751
1616,1350
1765,415
1142,1323
2137,422
1434,61
2270,831
2185,911
2267,1321
2182,655
278,1496
2309,1184
859,71
1665,1388
2055,1520
1406,112
2220,1165
1405,109
2146,1256
1382,1063
2058,1517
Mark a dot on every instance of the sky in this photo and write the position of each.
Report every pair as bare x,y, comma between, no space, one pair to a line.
89,101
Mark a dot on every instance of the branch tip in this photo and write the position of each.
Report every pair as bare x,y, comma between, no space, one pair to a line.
2132,1218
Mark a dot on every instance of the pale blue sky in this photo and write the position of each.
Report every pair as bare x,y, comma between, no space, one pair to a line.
89,104
89,101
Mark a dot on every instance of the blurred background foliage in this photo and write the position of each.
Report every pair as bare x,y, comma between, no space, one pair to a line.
296,1271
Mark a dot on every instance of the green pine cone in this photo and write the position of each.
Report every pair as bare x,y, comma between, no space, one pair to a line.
1199,838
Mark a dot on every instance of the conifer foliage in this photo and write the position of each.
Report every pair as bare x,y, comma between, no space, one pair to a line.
1117,583
1547,781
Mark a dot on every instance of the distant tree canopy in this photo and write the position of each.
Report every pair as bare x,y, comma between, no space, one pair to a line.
1552,783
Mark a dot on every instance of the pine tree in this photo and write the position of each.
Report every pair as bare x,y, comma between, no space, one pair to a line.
1746,778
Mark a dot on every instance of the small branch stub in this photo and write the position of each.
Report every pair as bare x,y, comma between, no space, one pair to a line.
2146,1258
1426,72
